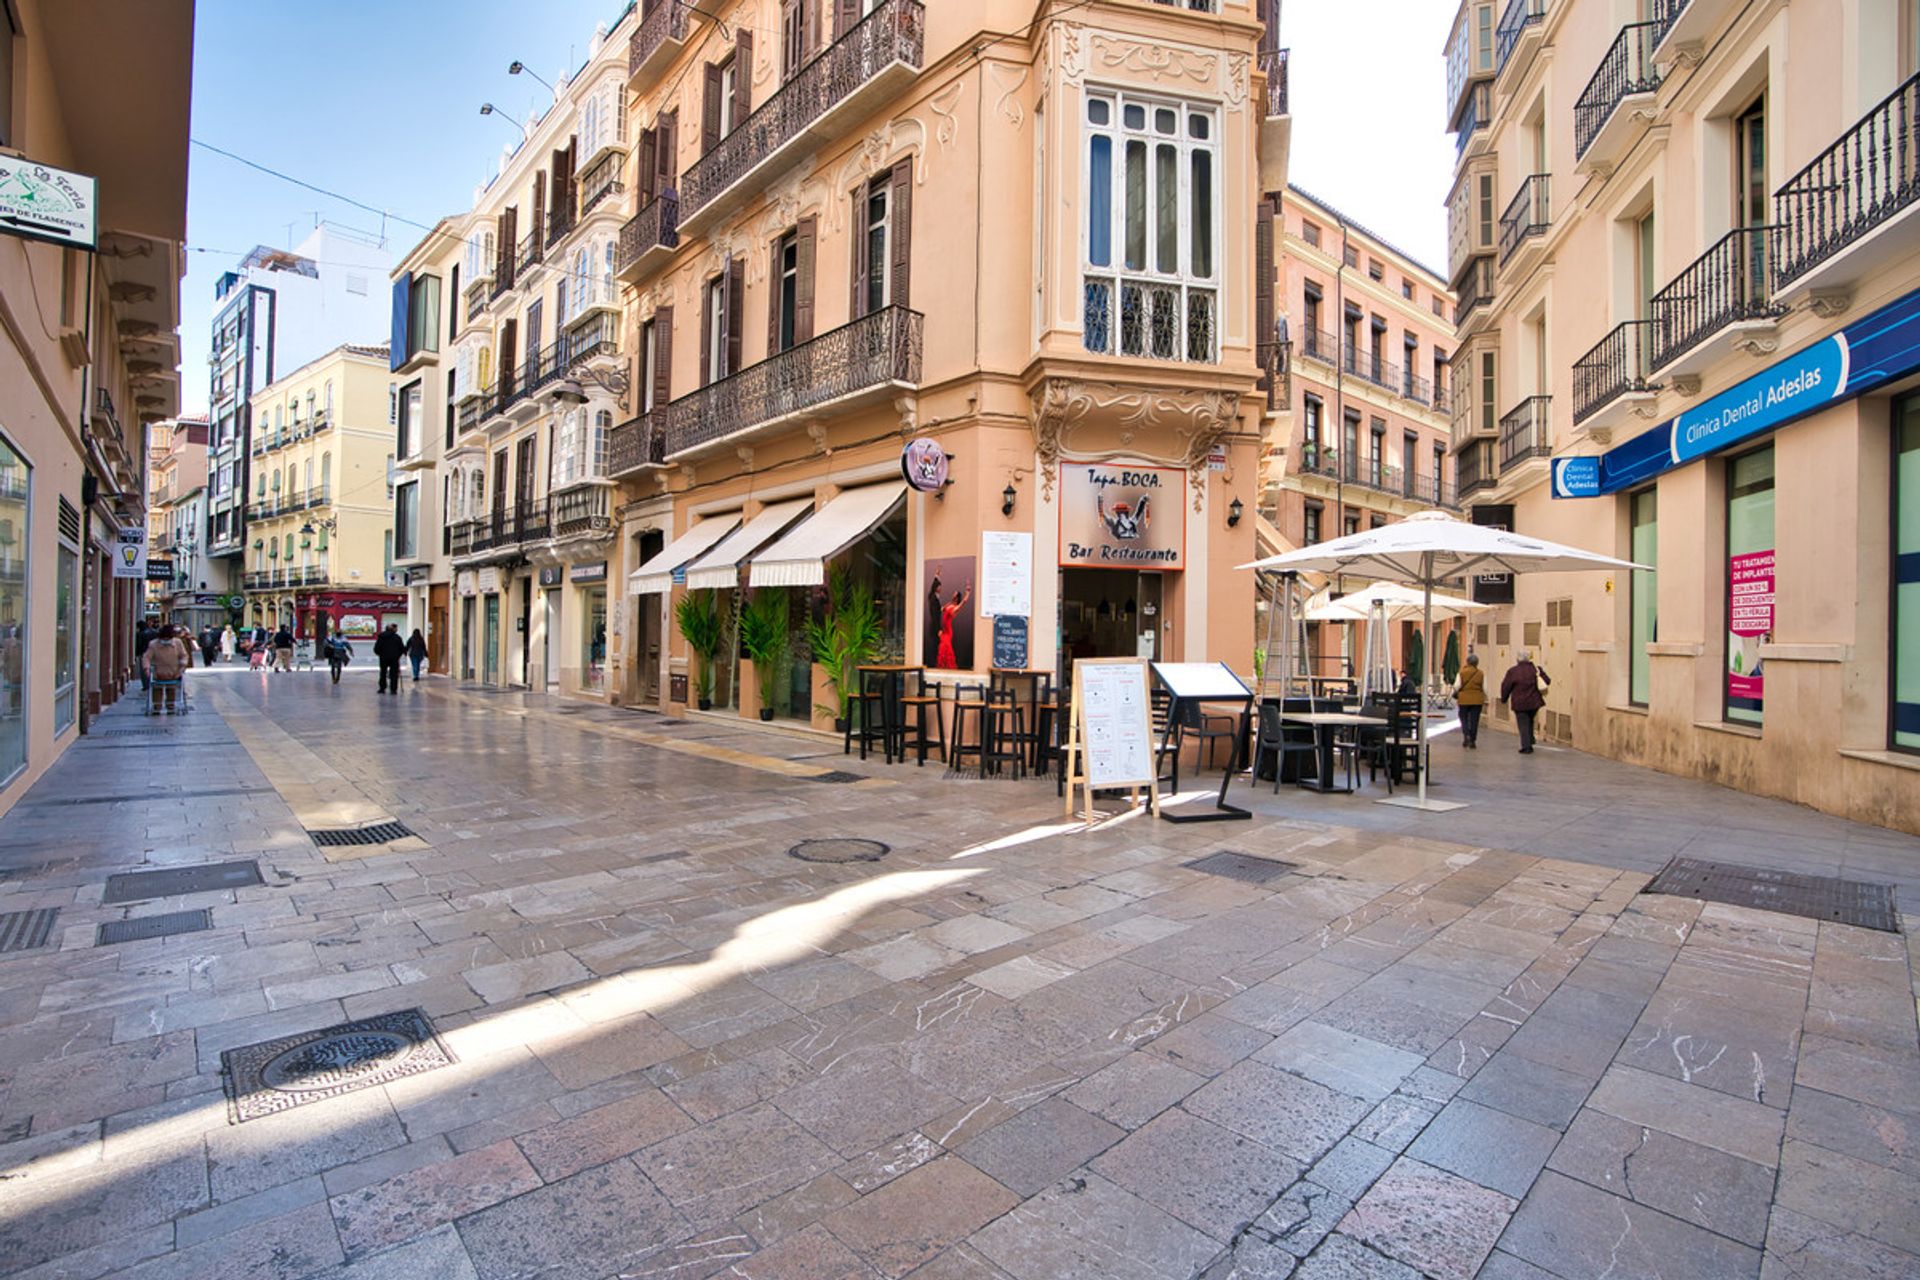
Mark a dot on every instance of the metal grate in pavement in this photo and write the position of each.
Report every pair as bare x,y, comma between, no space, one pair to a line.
1242,866
134,886
1855,902
25,930
840,849
378,833
837,775
137,731
277,1075
141,928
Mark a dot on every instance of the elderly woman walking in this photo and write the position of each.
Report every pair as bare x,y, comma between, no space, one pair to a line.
1470,695
1524,689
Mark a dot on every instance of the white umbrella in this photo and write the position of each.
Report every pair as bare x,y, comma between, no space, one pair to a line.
1401,604
1433,547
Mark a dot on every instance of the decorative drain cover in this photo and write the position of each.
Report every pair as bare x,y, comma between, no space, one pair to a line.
135,886
1242,866
1855,902
840,849
838,775
378,833
277,1075
25,930
160,926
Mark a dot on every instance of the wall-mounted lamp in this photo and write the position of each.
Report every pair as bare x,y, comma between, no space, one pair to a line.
1007,495
1234,512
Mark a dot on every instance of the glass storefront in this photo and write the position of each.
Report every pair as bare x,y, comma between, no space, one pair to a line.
466,638
490,642
593,639
1905,728
66,631
1644,584
14,474
1749,581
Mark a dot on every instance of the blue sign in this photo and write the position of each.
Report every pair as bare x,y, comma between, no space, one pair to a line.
1576,477
1009,643
1797,385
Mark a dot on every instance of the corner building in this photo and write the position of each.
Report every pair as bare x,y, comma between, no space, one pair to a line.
1028,240
1684,242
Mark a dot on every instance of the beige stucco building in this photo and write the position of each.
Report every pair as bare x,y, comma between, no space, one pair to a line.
320,512
1684,241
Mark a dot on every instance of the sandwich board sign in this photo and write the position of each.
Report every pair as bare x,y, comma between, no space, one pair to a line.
1110,734
39,202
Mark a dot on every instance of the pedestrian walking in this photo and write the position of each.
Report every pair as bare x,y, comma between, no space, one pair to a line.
339,653
143,635
163,665
1524,689
229,643
416,652
1470,695
209,646
283,648
389,648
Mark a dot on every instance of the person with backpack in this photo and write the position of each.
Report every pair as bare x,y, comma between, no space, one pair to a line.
389,648
1524,689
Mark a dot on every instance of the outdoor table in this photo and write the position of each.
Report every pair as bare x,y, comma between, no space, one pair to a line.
1324,723
892,690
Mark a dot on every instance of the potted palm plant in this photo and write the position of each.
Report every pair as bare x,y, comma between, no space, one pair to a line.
765,637
845,635
698,614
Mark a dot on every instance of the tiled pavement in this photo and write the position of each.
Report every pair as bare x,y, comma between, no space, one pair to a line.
1005,1050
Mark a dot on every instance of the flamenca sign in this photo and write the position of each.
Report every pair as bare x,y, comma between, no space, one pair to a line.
38,202
1122,516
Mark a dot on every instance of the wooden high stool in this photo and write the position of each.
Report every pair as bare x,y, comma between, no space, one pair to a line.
912,729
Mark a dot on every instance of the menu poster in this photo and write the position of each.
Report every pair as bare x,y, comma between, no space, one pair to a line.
1115,722
1750,620
1006,564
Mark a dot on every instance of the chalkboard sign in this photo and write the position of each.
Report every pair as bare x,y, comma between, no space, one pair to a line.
1010,643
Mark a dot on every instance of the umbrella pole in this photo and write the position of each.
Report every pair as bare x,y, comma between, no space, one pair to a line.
1420,800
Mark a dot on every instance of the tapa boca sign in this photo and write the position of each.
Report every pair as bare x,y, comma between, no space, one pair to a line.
1122,516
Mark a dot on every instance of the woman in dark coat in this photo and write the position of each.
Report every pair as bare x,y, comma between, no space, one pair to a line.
1524,689
416,652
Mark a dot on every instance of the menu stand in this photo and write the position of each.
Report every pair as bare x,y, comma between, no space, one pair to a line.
1190,684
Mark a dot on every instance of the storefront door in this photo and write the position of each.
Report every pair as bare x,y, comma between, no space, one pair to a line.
437,630
466,637
1110,613
524,674
490,643
550,644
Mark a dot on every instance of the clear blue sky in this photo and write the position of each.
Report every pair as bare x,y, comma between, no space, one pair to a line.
379,100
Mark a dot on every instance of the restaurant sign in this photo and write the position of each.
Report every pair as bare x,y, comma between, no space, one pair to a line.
1122,516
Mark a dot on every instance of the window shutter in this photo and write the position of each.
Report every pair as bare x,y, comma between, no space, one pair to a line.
706,333
667,139
1263,282
773,296
742,75
736,310
710,110
858,306
649,163
846,14
662,356
900,239
806,237
402,308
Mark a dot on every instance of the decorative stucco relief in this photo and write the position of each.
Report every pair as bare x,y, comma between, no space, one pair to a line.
1191,422
1155,61
945,106
1007,106
904,137
1235,80
1073,53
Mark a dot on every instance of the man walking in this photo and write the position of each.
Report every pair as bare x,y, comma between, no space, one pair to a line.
142,637
389,649
1522,689
283,648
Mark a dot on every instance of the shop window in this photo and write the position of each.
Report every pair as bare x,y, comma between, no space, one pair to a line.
1750,582
1150,277
66,635
593,639
406,512
1310,525
1643,585
1905,666
15,475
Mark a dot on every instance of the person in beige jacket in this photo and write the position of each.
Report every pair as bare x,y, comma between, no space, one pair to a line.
1470,695
166,660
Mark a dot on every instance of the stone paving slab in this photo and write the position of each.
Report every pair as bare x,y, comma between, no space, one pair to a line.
1006,1050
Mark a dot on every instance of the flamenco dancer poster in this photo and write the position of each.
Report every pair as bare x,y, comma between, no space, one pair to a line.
947,625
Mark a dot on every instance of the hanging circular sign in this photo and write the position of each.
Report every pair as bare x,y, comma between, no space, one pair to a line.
924,463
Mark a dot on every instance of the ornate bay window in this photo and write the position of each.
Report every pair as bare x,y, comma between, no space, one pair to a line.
1151,270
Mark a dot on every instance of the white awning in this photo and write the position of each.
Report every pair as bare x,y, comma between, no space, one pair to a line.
800,558
656,575
720,567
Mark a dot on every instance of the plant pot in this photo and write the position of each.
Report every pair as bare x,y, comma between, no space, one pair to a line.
706,704
766,713
840,725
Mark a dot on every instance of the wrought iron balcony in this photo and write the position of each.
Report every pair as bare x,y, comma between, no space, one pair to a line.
599,182
1273,62
1528,215
580,512
1851,190
653,230
460,535
635,444
1520,18
1318,344
592,339
255,579
882,48
1416,388
1435,490
1526,432
1473,468
651,45
1474,289
531,252
559,223
1626,70
1276,361
1314,459
1729,284
877,351
1371,368
1617,366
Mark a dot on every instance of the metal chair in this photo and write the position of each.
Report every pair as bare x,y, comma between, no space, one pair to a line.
913,733
969,699
871,705
1005,733
1278,740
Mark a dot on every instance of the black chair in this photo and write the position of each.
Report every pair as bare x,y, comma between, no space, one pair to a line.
969,699
1005,733
1037,721
875,716
912,730
1204,728
1395,746
1048,717
1278,741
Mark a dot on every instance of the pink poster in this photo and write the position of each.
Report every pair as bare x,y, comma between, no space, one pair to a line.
1750,622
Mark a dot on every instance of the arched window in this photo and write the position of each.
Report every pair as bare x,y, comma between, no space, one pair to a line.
326,475
276,482
329,397
309,473
606,271
289,547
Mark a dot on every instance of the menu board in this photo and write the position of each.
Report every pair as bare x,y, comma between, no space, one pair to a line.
1201,681
1009,643
1110,700
1006,574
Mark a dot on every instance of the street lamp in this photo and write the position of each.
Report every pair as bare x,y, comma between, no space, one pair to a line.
614,382
517,67
488,109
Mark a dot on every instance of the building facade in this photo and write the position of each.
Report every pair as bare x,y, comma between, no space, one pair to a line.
185,584
89,350
320,513
1683,240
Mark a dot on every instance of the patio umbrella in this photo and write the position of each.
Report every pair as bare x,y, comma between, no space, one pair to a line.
1401,602
1450,665
1433,547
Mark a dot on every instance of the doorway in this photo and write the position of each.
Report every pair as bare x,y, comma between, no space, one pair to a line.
437,629
490,642
525,673
550,643
1109,613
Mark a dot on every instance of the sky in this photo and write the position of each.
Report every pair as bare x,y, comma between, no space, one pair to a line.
379,101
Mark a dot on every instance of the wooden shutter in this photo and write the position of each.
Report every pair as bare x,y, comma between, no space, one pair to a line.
662,356
858,306
539,204
846,14
571,159
900,237
1263,282
736,310
649,166
706,332
742,76
667,140
806,238
710,110
775,272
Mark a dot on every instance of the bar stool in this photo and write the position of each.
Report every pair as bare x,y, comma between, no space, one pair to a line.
969,698
1006,733
870,702
913,732
1032,735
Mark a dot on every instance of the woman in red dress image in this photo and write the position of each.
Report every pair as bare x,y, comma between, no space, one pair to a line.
946,659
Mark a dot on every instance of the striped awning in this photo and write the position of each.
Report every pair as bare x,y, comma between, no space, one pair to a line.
720,567
800,558
656,575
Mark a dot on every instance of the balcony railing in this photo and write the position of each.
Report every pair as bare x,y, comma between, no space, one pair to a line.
1851,188
581,511
667,22
1627,69
1318,344
1473,468
1274,63
255,579
1478,115
1475,289
894,32
877,350
530,253
655,227
1372,368
634,444
1618,365
471,413
1728,284
597,337
1276,361
1519,15
1373,473
1416,388
559,222
1529,214
599,182
479,293
1526,432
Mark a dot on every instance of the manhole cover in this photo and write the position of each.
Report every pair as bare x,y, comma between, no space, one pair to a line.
1856,902
277,1075
134,886
838,775
378,833
160,926
1242,866
25,930
839,850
